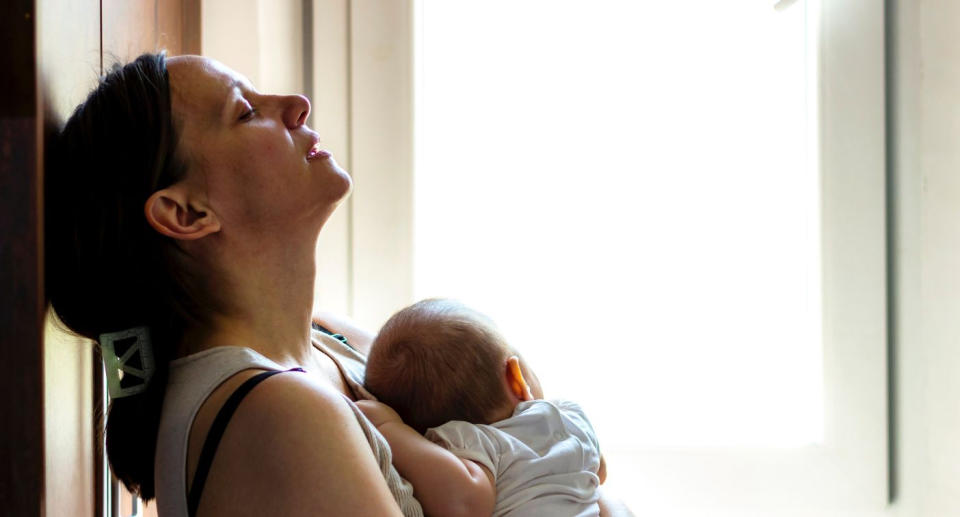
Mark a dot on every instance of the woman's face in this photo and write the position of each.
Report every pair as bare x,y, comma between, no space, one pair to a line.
250,156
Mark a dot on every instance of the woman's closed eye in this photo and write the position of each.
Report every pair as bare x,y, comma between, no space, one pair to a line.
248,114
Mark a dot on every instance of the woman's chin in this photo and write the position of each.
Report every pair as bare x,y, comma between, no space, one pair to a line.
336,192
346,187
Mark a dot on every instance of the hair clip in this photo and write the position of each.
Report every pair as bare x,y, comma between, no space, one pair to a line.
128,360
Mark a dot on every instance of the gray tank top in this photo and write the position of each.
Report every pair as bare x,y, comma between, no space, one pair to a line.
194,377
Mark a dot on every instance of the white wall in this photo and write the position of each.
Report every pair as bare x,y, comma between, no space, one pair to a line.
925,155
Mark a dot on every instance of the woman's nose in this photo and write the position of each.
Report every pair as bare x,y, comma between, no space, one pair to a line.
296,111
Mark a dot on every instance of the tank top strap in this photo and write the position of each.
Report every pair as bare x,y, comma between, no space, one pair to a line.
215,434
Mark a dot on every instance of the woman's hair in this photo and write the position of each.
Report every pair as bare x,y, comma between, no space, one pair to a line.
107,269
438,360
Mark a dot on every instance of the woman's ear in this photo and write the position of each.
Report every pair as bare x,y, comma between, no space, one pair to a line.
171,212
518,385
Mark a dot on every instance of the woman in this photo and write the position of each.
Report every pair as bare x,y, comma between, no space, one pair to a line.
183,202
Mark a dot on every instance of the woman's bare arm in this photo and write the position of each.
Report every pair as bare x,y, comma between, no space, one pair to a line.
358,338
294,448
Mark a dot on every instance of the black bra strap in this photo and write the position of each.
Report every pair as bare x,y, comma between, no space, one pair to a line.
216,433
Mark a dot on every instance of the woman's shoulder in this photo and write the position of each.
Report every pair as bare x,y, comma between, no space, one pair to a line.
291,435
294,395
284,407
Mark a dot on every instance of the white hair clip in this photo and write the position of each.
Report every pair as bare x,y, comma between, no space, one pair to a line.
128,360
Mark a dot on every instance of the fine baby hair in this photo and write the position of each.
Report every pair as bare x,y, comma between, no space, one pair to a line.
436,361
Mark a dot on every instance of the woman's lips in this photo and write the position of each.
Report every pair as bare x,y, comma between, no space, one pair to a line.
316,153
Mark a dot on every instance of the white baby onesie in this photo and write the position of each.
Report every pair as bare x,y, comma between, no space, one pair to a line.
544,458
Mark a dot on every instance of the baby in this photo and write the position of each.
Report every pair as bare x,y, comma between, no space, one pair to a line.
447,373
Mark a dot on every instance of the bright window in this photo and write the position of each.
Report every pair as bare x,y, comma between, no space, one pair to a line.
632,194
674,209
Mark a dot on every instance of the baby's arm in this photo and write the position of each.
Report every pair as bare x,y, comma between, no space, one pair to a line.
443,483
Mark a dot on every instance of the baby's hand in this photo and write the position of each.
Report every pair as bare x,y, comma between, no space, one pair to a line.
378,413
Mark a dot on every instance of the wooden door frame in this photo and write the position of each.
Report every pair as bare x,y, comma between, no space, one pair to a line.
23,302
21,259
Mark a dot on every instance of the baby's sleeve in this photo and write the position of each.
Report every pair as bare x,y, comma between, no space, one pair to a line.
468,441
577,423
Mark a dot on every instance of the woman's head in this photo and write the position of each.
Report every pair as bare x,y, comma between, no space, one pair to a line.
163,153
253,169
438,360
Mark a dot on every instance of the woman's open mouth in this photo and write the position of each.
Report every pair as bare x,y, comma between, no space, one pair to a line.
317,153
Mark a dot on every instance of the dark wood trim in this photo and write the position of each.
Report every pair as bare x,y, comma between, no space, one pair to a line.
191,36
21,275
98,421
99,411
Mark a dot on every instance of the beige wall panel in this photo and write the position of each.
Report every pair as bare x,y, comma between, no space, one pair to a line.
129,29
852,158
231,35
68,51
192,23
925,132
939,181
69,419
330,116
382,158
170,26
281,46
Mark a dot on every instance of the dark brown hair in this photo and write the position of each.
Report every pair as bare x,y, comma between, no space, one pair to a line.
107,269
437,361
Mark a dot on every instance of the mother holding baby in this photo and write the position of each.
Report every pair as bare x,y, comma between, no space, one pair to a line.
182,212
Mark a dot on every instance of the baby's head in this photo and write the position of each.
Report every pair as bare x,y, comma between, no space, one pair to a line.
438,360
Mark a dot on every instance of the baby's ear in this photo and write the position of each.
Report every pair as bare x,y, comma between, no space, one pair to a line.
515,381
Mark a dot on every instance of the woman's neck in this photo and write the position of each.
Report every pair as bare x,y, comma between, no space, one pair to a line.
268,300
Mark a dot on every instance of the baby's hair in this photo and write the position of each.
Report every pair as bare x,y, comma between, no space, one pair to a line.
438,360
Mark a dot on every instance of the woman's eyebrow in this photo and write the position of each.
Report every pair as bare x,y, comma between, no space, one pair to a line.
234,85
